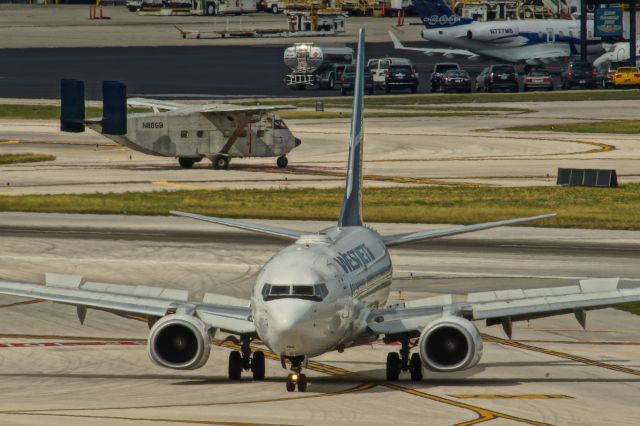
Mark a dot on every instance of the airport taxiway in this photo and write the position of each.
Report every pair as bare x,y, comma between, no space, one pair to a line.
464,150
55,371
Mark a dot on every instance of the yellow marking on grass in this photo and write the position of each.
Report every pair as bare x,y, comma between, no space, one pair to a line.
179,185
113,150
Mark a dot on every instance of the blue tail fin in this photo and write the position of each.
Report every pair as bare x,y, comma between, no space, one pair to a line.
437,14
351,213
71,105
114,108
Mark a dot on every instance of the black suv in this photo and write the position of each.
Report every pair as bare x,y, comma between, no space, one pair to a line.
401,76
578,74
497,77
439,70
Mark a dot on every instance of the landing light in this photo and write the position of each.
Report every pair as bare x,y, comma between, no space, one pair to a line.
294,377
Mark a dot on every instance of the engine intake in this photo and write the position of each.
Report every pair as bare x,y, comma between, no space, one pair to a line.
179,341
450,344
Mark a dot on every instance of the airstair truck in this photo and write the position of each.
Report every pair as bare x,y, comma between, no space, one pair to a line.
315,65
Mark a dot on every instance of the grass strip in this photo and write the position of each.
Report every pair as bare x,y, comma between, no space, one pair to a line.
626,127
462,98
632,307
48,112
577,207
27,157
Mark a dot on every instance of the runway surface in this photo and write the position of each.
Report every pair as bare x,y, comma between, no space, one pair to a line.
55,371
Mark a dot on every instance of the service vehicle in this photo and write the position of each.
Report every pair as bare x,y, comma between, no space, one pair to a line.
313,65
401,75
580,74
605,72
348,78
537,79
438,72
222,7
273,6
456,81
626,77
497,77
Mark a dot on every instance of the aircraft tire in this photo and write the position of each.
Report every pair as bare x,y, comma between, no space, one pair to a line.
393,366
282,162
302,383
185,163
291,386
274,9
235,365
220,162
210,9
415,368
257,365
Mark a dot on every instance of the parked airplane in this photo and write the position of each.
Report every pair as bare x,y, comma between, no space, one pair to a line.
533,41
327,291
190,132
617,52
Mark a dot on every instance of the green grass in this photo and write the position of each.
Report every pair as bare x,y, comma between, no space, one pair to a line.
628,127
27,157
596,208
47,112
479,98
633,307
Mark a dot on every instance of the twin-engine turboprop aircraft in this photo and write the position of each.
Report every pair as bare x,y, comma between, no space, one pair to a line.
325,292
532,41
190,132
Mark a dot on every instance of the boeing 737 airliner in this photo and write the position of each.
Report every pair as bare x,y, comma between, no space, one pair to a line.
327,291
533,41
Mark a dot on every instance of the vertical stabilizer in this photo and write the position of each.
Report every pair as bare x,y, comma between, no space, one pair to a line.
438,14
114,108
351,213
71,105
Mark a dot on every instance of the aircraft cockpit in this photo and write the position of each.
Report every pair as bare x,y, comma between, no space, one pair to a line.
315,292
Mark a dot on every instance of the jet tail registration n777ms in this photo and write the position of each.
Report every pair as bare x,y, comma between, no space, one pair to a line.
325,292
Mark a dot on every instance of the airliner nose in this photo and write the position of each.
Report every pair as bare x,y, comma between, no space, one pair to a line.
290,326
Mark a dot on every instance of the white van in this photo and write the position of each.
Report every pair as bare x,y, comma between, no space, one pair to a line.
221,7
380,66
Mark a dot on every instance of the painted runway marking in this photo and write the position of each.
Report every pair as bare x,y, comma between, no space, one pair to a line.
510,396
179,185
9,142
24,302
429,274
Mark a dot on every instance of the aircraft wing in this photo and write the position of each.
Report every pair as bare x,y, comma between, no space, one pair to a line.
544,52
218,311
505,306
399,239
432,51
180,108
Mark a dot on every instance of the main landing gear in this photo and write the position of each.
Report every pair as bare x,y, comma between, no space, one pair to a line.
401,362
296,378
245,360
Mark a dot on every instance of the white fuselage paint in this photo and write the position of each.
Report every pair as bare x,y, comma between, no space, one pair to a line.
354,265
512,41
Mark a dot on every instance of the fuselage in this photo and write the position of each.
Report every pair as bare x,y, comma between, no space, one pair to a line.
315,295
512,41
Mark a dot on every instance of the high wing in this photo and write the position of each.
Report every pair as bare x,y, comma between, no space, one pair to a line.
180,108
217,311
274,231
399,239
434,51
504,306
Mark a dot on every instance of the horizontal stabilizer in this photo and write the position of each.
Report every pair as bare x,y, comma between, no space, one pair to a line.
399,239
274,231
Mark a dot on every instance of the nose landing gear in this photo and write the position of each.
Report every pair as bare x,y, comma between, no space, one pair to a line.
245,360
296,378
401,362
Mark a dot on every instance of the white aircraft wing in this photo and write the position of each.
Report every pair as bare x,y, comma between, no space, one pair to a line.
432,51
224,312
180,108
505,306
544,53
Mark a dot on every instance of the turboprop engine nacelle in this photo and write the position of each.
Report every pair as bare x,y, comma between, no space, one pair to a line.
179,341
495,33
450,344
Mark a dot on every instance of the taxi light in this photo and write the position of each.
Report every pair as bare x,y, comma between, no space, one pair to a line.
294,377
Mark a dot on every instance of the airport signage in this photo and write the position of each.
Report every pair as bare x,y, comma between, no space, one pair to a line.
608,22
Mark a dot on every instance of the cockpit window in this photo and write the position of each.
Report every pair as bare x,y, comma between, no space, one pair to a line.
279,124
315,292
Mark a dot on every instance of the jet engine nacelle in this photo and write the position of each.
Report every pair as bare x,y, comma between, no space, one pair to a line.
450,344
179,341
494,33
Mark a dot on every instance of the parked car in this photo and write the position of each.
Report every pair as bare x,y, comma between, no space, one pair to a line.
497,77
438,73
577,73
273,6
401,75
605,72
537,79
626,77
380,68
348,78
456,81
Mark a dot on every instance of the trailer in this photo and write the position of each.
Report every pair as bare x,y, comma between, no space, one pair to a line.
315,65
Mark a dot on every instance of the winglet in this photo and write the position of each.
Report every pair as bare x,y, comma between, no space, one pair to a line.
351,212
396,42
